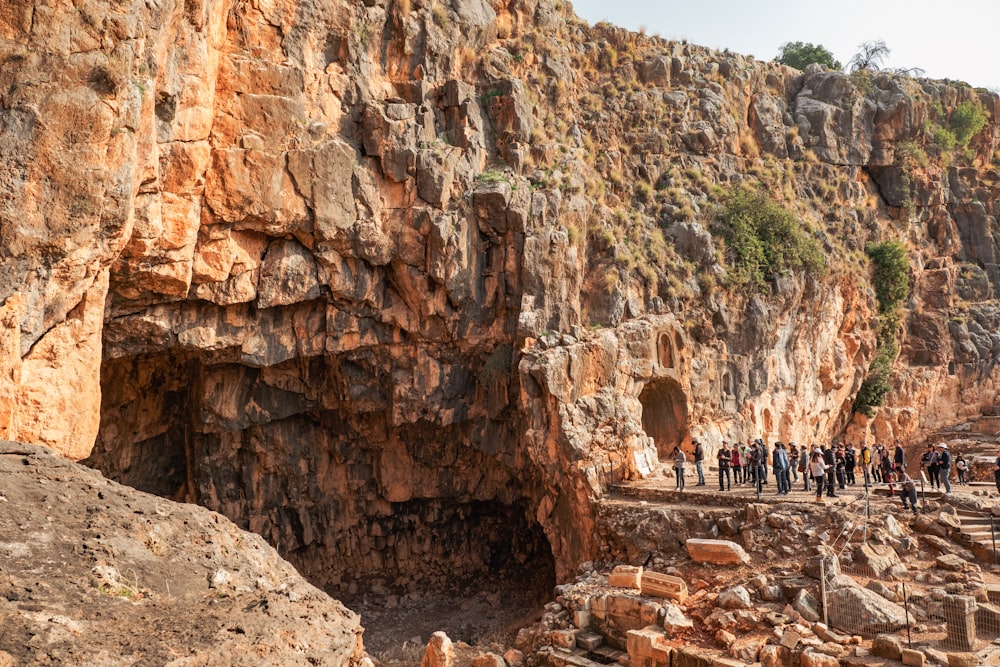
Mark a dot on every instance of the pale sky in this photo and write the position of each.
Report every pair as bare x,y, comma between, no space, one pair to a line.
954,39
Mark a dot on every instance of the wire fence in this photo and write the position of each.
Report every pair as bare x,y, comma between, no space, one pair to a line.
866,589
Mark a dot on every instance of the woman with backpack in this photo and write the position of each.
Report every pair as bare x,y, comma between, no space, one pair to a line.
963,468
680,458
817,470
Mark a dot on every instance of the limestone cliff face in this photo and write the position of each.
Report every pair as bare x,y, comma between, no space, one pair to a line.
402,285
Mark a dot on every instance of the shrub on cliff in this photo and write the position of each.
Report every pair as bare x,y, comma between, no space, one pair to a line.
802,54
891,279
890,274
967,120
762,238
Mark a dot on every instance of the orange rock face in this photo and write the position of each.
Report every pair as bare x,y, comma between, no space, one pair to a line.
405,286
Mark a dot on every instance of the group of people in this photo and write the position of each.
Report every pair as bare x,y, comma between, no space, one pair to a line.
936,463
829,468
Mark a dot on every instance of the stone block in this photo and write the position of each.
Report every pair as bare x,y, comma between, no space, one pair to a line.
963,660
640,643
790,639
815,659
773,655
913,658
717,552
581,618
993,593
588,641
625,576
987,620
488,660
746,648
887,646
950,562
663,586
960,617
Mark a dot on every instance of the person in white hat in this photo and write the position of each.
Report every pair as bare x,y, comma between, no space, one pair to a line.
944,465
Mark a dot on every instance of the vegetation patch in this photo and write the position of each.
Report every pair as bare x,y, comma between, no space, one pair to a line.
891,280
763,238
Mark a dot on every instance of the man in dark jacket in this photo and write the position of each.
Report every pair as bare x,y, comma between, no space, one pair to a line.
699,458
830,460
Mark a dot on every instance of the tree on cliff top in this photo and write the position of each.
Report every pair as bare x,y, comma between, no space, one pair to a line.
869,57
802,54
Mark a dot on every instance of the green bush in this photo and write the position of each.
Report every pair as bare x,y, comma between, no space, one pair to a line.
802,54
967,120
891,279
762,238
878,382
890,275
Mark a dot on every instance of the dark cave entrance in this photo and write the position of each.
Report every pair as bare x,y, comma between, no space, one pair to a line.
321,482
664,414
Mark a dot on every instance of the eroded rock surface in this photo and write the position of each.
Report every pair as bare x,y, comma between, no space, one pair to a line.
92,572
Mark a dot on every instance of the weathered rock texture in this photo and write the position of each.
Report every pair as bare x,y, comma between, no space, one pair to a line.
95,573
402,284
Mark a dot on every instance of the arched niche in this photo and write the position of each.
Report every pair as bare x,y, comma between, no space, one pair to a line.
664,414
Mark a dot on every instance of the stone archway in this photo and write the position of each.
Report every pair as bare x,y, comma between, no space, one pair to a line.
664,414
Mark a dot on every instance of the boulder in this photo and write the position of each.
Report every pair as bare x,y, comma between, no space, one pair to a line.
736,597
815,659
746,648
773,655
887,646
674,620
807,605
440,652
717,552
950,562
488,660
860,611
877,558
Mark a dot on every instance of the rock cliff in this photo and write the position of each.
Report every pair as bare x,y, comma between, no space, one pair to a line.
402,285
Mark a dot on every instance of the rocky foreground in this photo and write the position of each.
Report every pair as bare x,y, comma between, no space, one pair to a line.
95,573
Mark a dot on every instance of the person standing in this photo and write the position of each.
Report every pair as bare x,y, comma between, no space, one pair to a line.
829,467
779,465
841,465
679,460
850,462
725,460
933,467
699,458
866,464
817,470
898,456
996,471
962,468
736,463
944,466
758,463
908,492
793,464
764,456
925,460
804,467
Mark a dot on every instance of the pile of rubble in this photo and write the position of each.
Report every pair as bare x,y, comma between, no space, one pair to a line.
791,586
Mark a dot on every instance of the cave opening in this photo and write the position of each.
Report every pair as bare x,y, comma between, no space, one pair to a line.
664,414
419,526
